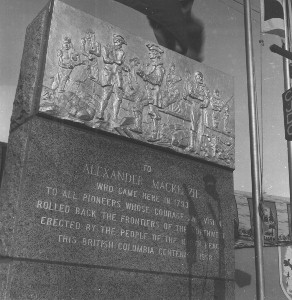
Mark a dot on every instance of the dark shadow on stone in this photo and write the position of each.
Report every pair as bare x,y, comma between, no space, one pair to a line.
220,290
191,252
236,222
210,186
236,231
5,259
242,278
3,150
211,189
191,238
8,259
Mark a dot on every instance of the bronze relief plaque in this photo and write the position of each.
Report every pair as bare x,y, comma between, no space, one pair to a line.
101,76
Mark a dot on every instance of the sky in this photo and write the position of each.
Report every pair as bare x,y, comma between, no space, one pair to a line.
224,49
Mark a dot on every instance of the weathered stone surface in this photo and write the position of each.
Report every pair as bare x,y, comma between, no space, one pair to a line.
100,75
11,185
88,198
46,281
4,280
3,149
28,90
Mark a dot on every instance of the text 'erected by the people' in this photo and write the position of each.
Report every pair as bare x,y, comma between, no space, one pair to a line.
121,211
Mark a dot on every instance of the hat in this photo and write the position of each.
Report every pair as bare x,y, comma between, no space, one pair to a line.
117,37
67,39
153,47
136,60
89,31
198,73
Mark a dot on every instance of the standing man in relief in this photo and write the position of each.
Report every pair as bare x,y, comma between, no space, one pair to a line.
199,96
171,92
91,50
68,59
112,76
153,76
217,104
226,116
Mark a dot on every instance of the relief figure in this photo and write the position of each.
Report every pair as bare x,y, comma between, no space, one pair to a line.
112,76
153,75
91,50
209,145
68,59
196,89
199,97
171,92
80,97
135,92
74,90
217,104
226,116
133,87
224,149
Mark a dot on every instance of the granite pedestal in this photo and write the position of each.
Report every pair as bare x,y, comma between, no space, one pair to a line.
118,181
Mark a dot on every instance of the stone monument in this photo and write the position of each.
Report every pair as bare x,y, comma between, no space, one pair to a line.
118,178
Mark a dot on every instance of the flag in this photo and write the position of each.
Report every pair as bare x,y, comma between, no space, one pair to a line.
285,269
272,17
269,221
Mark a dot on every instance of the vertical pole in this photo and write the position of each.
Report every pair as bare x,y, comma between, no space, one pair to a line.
287,85
254,152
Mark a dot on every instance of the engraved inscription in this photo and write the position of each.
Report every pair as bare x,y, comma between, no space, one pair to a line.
131,213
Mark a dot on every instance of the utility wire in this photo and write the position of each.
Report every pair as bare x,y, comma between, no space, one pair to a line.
237,2
223,1
253,9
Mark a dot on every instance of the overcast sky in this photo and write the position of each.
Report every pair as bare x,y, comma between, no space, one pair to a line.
224,49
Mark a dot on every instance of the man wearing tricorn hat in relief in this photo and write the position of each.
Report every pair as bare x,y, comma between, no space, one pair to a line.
112,77
153,76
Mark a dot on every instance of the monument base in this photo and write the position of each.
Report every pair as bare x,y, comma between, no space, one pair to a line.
89,215
38,280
